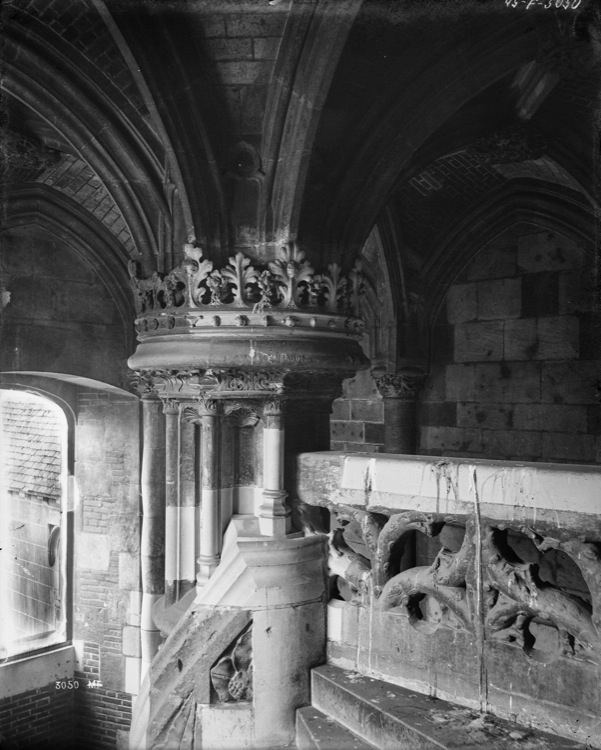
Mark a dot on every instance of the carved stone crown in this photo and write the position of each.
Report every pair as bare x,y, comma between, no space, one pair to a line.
240,294
243,314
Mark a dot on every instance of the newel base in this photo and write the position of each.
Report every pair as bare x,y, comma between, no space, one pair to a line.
236,666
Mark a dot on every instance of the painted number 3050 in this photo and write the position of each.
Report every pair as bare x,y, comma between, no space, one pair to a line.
66,684
74,684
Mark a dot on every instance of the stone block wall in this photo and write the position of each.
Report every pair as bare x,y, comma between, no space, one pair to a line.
357,421
61,317
243,48
103,716
106,567
516,356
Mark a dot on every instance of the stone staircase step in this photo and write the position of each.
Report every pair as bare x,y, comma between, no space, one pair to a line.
316,731
395,718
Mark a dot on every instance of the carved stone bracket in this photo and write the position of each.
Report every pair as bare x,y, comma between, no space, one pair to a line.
403,385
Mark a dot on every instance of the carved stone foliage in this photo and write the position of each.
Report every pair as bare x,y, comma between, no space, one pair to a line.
404,385
23,158
264,386
288,282
141,383
231,676
498,588
240,415
166,384
513,144
352,547
481,585
231,380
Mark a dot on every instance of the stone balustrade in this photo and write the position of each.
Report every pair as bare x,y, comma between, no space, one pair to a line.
475,581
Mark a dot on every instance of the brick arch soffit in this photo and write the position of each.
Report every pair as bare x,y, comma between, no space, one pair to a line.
557,208
379,160
171,159
307,60
45,81
65,220
197,173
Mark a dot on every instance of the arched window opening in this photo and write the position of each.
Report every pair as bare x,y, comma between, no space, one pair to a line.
33,526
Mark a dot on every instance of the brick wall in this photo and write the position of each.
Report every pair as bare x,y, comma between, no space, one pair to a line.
74,177
102,716
106,569
41,718
357,422
515,355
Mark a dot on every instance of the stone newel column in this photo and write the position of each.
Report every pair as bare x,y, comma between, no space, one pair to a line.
153,525
232,345
210,517
171,411
400,392
274,516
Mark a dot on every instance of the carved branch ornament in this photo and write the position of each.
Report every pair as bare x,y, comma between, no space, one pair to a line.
482,582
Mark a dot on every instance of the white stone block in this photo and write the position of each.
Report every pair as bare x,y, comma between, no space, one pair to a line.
132,675
135,608
335,620
226,726
129,571
93,552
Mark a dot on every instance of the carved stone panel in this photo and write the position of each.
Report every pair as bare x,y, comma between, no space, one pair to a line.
231,675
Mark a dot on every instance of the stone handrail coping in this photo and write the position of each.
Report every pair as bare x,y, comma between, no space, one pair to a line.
565,495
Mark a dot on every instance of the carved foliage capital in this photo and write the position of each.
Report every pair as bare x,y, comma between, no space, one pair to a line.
203,407
171,406
513,144
242,380
273,413
141,382
240,415
404,385
170,384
